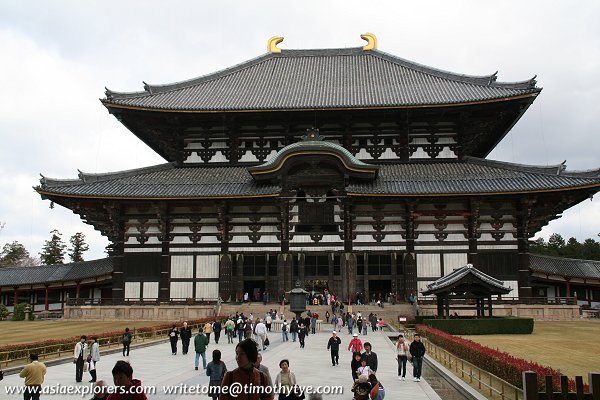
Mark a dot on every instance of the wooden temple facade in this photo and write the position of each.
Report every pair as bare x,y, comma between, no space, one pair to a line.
347,169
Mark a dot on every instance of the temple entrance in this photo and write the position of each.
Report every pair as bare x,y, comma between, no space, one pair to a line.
254,289
379,289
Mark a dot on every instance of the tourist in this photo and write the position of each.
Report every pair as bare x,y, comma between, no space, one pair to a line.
334,344
123,378
246,354
208,329
94,357
294,329
355,344
370,356
411,299
350,323
246,297
359,323
340,323
99,390
248,329
216,327
327,315
230,330
33,373
417,351
364,369
361,388
173,337
126,340
285,381
355,365
365,327
402,352
301,334
215,370
313,324
241,326
186,335
284,331
263,368
80,351
377,389
200,343
268,321
380,324
260,330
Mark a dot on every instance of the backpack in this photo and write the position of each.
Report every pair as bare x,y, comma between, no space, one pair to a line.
284,328
126,338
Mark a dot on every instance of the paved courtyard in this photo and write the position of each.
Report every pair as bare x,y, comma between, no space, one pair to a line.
155,366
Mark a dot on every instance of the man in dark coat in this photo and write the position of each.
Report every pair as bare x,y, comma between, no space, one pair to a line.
217,330
370,356
417,351
186,335
334,345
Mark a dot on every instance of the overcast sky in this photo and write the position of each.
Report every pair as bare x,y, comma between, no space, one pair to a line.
56,58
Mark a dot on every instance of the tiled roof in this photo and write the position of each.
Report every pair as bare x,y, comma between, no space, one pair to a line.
12,276
565,267
448,281
321,79
473,176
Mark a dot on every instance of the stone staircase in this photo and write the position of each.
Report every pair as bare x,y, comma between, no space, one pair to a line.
389,313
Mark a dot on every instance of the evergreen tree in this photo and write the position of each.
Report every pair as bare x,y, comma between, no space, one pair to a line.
78,246
53,251
13,254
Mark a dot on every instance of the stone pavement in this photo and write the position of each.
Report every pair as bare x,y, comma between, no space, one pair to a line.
155,366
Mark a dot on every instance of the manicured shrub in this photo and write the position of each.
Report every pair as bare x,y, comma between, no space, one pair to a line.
483,326
19,312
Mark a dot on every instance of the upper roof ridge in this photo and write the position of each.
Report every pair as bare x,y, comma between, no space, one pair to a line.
481,80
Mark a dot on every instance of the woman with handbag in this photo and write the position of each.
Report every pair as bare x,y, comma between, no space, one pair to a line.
403,354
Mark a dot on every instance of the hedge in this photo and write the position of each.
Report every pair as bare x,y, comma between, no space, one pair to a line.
483,326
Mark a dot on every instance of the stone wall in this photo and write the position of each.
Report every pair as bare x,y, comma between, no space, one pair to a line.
517,310
141,313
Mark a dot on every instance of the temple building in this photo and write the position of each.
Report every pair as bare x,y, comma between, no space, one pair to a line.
348,169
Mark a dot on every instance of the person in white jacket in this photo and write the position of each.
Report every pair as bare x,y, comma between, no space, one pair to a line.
261,334
94,357
79,354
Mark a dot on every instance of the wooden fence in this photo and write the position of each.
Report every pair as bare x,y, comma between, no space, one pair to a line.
531,388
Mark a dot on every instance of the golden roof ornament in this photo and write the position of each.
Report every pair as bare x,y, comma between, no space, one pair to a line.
371,41
272,44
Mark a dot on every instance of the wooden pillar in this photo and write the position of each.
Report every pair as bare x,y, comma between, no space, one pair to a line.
284,210
473,232
165,237
568,289
348,276
490,313
348,232
410,258
440,305
15,295
46,302
225,277
284,274
77,290
524,212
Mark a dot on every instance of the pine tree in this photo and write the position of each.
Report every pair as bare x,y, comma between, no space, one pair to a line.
78,246
13,254
53,251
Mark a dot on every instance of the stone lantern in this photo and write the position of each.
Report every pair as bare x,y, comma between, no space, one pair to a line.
297,298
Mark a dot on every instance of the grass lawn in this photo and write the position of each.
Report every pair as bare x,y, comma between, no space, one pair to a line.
30,331
570,346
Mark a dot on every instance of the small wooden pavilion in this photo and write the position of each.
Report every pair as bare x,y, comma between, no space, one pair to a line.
465,283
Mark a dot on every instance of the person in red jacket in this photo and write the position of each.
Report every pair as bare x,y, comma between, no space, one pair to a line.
127,387
355,344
